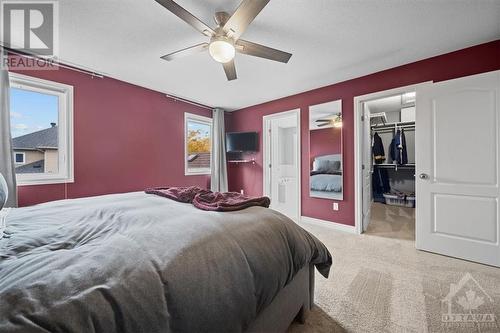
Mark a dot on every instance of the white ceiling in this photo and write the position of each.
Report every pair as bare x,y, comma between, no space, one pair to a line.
331,41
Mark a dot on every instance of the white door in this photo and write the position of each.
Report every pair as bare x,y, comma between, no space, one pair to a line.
367,167
282,161
457,158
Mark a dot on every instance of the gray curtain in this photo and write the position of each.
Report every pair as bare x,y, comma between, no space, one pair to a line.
218,182
6,156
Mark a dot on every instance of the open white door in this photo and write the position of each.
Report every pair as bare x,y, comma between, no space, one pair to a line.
282,161
367,167
457,158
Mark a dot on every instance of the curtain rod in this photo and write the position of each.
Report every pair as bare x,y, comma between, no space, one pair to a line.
33,56
180,99
95,74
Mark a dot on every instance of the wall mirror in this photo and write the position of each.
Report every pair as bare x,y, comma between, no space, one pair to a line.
325,151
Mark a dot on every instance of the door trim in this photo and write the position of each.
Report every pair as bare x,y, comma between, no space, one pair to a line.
265,146
358,141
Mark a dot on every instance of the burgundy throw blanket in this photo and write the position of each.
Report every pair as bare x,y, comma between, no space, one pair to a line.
208,200
227,201
181,194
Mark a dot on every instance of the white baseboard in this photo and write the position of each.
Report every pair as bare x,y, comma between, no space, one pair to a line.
328,224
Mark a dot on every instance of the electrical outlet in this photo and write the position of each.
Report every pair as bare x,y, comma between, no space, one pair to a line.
335,206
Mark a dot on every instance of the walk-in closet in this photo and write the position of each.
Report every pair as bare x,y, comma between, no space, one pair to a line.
392,133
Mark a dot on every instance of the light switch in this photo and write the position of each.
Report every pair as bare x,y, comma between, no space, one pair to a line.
335,206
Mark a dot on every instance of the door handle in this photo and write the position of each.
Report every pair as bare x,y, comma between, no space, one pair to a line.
423,176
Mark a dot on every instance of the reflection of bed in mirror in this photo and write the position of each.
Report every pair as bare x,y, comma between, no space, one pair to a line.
326,177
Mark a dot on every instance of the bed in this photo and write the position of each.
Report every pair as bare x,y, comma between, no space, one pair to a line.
326,179
141,263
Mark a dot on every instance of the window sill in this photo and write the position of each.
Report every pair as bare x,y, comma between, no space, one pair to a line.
200,173
45,181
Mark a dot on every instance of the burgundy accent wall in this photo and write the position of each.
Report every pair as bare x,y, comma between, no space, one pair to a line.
126,138
474,60
325,141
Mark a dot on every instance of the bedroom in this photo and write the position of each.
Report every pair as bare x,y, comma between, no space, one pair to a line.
93,114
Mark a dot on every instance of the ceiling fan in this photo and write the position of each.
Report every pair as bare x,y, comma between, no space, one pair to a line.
225,38
332,121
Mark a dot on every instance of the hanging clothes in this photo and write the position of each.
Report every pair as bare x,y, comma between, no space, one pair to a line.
398,150
380,183
378,149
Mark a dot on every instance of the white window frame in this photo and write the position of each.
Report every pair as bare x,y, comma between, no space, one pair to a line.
203,120
15,158
64,93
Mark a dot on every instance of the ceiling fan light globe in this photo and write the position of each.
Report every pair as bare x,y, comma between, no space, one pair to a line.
221,51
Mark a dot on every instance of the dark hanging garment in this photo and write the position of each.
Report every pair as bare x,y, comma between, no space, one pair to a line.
398,151
380,183
403,152
378,149
393,150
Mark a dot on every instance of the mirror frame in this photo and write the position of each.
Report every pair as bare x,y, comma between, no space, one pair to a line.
340,196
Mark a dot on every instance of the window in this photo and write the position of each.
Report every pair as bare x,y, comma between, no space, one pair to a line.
41,117
19,158
198,144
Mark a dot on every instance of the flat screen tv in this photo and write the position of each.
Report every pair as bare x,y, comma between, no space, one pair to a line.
242,142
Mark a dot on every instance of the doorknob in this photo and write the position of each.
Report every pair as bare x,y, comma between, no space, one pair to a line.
423,176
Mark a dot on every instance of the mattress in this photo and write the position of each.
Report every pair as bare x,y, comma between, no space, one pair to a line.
141,263
326,182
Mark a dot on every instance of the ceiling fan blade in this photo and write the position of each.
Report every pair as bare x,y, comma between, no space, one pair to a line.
262,51
243,16
185,52
323,120
187,17
230,70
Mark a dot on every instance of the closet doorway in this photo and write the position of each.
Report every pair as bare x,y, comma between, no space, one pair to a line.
457,199
386,145
282,162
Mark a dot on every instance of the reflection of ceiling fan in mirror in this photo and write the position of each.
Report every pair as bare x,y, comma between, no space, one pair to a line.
333,121
225,38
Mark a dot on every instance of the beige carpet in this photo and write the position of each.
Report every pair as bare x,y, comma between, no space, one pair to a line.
380,283
392,222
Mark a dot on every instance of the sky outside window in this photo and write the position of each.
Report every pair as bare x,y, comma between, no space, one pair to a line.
31,111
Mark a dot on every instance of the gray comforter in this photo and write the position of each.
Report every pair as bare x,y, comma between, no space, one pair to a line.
141,263
326,182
